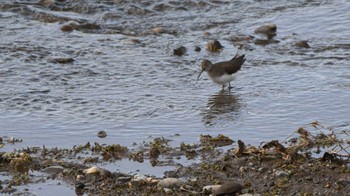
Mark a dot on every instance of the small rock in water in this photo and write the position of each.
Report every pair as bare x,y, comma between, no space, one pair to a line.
158,30
230,187
67,28
197,49
46,3
265,41
73,24
302,44
170,183
101,134
135,10
161,7
241,38
214,46
267,29
62,60
180,51
135,41
88,26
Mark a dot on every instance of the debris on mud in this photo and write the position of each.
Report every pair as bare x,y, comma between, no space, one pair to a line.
313,160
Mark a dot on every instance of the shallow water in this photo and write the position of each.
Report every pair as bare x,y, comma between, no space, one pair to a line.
136,91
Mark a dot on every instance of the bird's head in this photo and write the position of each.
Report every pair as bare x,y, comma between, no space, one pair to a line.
205,66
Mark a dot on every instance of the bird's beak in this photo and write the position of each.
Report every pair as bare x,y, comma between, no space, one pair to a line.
200,74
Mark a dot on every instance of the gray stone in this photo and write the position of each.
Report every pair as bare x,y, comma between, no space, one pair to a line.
53,169
139,177
170,183
229,187
267,29
282,174
211,188
97,171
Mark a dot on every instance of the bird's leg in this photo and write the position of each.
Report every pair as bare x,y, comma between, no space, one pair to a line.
229,86
223,86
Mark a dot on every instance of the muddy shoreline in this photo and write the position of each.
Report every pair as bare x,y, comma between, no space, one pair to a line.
72,68
308,163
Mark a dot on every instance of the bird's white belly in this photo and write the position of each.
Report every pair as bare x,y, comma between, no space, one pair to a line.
223,79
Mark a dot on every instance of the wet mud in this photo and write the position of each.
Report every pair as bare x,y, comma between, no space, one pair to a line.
314,160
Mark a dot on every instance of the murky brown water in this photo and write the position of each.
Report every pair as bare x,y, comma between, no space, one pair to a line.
137,89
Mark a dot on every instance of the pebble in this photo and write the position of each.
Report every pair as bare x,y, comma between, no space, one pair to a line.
229,187
158,30
97,171
243,169
161,7
134,41
282,174
101,134
73,23
67,28
267,29
265,41
241,38
168,191
47,3
302,44
88,26
214,46
239,162
343,182
170,183
309,178
211,188
12,140
80,177
194,180
180,51
62,60
124,179
135,10
79,185
261,170
53,169
139,177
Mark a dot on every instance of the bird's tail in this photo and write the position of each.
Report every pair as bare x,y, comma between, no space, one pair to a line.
237,58
235,55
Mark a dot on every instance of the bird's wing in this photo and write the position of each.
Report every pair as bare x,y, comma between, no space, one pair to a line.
234,64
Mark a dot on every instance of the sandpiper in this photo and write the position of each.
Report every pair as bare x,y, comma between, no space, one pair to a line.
222,72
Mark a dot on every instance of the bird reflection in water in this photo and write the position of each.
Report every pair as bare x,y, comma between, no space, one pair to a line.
223,106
